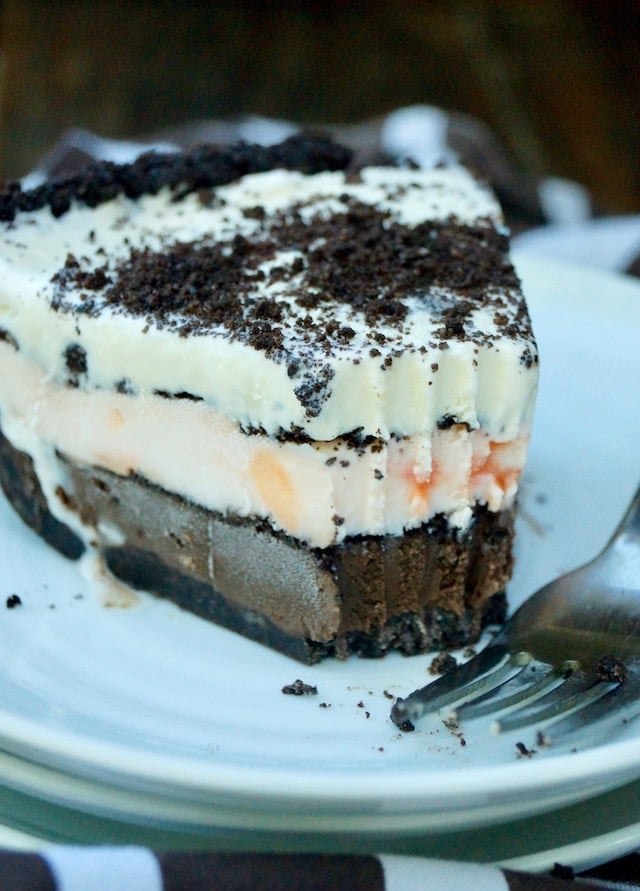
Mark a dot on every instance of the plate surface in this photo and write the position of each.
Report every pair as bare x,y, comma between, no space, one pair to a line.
151,701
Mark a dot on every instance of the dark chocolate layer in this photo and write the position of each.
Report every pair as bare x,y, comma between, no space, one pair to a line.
428,589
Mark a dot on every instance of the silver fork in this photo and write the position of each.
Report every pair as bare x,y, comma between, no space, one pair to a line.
570,653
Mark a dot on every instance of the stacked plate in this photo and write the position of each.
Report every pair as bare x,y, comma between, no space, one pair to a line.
125,719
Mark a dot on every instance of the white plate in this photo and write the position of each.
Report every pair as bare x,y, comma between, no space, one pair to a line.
608,243
150,699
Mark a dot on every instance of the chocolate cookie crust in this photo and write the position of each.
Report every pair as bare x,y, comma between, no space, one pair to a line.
22,488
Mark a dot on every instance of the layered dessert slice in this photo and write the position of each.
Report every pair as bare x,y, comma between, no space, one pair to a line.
291,396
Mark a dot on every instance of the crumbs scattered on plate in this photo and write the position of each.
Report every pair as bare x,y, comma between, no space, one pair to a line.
299,688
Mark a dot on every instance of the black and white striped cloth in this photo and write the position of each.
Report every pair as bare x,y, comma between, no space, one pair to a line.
77,868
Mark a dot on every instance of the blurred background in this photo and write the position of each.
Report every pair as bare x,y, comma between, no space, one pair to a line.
558,81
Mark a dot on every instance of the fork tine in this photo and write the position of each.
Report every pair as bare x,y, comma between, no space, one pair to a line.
610,711
491,666
533,682
575,693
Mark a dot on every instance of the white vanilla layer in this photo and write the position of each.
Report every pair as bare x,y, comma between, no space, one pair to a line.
317,492
484,385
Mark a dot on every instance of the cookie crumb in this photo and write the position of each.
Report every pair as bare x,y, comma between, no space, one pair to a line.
453,727
523,751
611,669
542,740
443,663
299,688
13,600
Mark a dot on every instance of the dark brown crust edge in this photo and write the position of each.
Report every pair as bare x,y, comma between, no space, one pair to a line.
22,488
422,591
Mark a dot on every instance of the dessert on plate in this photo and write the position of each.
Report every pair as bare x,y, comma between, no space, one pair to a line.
291,396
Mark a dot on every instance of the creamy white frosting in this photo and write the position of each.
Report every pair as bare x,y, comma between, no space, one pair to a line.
482,385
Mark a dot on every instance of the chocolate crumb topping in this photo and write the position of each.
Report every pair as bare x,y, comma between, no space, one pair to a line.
124,386
446,422
7,337
363,260
204,167
164,394
75,357
314,389
360,257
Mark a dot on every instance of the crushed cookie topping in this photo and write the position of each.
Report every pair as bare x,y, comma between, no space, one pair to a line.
197,170
360,258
